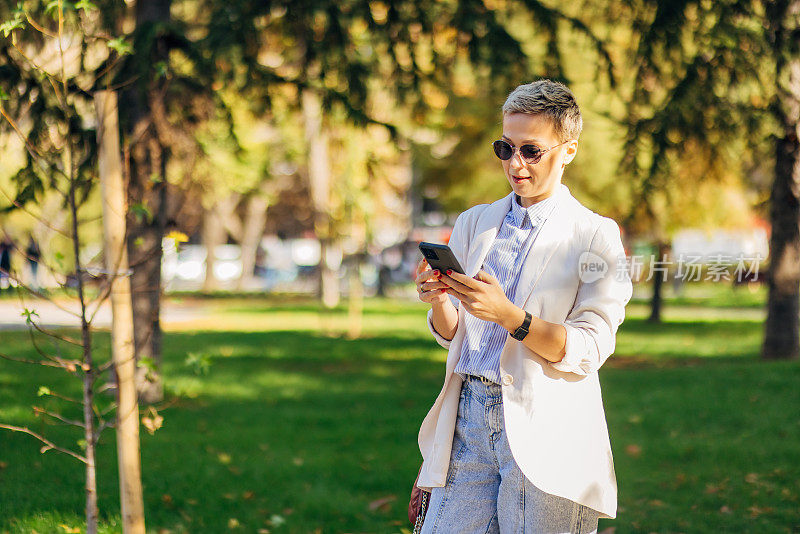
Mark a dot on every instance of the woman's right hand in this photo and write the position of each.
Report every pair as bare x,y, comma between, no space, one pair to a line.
429,288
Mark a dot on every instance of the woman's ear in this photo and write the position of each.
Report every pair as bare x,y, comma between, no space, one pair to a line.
571,151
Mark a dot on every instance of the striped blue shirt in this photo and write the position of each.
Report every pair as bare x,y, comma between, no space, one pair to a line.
484,340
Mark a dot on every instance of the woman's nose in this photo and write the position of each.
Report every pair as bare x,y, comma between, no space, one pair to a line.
516,161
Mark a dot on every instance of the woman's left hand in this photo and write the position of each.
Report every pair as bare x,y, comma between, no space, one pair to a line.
482,296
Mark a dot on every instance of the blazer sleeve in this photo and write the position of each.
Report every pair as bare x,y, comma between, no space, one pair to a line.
458,244
599,306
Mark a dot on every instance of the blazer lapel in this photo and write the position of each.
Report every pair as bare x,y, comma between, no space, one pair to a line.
486,228
550,237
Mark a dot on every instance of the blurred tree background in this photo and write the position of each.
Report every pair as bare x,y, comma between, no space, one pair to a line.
315,115
365,126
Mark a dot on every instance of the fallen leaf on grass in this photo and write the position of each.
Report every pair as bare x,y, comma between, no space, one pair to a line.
383,503
725,510
751,478
633,450
233,523
755,511
70,530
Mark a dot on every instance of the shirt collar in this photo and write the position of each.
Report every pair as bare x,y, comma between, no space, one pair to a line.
537,212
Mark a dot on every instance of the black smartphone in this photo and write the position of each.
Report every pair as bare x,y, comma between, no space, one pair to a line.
440,257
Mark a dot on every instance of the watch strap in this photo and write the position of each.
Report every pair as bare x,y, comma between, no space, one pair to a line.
522,331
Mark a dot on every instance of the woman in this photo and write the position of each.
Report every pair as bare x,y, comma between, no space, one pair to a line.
516,440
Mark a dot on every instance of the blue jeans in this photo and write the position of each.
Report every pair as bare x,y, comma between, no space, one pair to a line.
486,491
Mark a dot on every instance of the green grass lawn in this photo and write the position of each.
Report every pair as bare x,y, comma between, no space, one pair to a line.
722,294
296,429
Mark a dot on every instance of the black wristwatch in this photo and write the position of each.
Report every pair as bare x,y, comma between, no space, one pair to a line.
520,333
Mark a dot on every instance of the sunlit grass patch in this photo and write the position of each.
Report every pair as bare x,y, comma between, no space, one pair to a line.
296,430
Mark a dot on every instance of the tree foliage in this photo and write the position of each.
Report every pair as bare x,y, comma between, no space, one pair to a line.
712,76
700,93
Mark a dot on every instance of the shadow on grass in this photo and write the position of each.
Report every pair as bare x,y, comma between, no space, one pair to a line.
298,432
287,428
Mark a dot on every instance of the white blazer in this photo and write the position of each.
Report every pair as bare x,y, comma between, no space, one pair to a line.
554,415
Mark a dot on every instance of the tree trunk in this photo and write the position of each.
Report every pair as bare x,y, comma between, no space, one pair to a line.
89,371
329,265
319,176
144,249
147,192
213,236
658,285
127,425
355,301
92,511
782,328
255,219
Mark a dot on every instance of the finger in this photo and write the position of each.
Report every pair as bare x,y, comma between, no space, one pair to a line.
430,286
422,266
428,296
458,286
426,275
483,276
463,279
466,299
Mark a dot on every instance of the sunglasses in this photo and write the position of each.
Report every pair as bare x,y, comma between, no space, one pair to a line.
531,154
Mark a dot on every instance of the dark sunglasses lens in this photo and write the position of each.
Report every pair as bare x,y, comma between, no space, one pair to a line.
531,153
502,150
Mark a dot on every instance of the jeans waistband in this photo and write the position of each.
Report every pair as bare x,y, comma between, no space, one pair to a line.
483,379
484,390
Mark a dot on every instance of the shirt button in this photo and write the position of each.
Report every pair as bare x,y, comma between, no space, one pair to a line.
508,380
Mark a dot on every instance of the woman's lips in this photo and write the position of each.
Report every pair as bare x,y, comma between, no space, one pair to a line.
519,179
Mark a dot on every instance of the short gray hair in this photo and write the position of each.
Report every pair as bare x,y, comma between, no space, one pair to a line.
549,98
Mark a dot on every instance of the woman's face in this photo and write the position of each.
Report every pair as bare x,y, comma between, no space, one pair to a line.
535,182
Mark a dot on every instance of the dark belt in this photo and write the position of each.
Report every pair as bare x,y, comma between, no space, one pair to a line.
482,379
